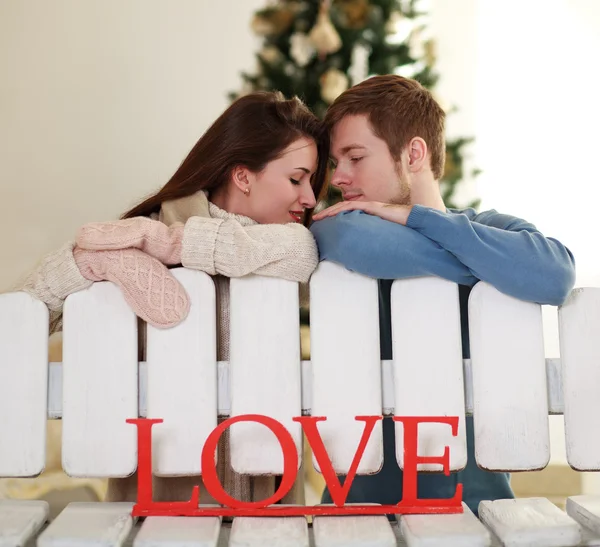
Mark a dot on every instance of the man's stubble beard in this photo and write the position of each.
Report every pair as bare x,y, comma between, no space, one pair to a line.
403,195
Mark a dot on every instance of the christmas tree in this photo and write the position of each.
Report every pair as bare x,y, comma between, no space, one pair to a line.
316,49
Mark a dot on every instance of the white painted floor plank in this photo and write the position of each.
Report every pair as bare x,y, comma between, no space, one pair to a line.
179,532
20,520
460,530
353,531
589,538
271,531
529,522
585,510
89,524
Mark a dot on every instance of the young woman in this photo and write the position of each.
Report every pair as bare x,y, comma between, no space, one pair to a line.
238,204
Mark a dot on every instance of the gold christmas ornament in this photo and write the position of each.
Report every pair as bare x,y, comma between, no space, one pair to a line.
398,28
323,35
271,54
355,13
421,45
333,83
394,22
301,48
261,26
272,21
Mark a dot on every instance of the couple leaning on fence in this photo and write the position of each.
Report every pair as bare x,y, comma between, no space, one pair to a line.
241,203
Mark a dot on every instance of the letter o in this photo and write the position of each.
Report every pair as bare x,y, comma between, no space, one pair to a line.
209,469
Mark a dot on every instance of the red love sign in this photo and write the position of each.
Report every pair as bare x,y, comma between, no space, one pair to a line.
410,504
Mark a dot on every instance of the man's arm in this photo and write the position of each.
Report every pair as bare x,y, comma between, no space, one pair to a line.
381,249
505,251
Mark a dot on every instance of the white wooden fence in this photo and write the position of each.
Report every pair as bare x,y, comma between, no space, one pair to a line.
508,385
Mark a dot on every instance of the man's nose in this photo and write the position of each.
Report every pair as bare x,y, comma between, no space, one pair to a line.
339,178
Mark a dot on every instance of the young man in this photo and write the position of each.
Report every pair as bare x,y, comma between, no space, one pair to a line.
388,152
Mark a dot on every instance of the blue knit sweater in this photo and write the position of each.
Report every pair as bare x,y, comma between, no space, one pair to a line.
458,245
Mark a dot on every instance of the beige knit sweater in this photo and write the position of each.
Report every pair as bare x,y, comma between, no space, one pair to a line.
223,245
214,241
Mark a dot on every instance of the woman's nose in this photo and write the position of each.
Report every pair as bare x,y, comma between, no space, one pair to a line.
307,197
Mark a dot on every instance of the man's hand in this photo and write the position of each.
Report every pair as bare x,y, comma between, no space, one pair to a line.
386,211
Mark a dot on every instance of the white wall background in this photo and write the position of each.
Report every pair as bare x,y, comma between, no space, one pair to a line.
524,76
100,102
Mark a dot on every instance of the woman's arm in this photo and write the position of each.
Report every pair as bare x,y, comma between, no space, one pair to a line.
213,245
56,277
288,251
71,269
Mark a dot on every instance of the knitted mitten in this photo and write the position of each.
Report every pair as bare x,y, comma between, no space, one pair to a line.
149,288
150,236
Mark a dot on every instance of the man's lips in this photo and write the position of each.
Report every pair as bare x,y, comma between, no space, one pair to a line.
351,197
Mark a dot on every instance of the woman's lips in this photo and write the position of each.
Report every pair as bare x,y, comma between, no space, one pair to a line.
296,216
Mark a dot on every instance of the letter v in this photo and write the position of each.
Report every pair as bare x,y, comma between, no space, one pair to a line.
338,492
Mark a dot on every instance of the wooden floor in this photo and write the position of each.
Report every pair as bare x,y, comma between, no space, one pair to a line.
533,522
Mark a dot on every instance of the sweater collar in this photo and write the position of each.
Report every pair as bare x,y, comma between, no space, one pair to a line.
216,212
180,210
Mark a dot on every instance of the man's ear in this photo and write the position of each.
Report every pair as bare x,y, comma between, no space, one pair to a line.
417,154
242,177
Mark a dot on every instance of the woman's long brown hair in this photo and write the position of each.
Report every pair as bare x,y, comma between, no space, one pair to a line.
253,131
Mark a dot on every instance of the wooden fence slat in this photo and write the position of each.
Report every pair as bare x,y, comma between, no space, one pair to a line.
264,370
182,380
509,382
579,331
23,385
428,366
100,384
346,364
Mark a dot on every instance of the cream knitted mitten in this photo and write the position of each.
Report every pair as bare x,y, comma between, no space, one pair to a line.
149,288
150,236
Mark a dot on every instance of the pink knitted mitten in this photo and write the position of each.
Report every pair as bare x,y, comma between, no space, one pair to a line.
148,286
151,236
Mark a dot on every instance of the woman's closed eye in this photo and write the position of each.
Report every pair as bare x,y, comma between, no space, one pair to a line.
294,181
